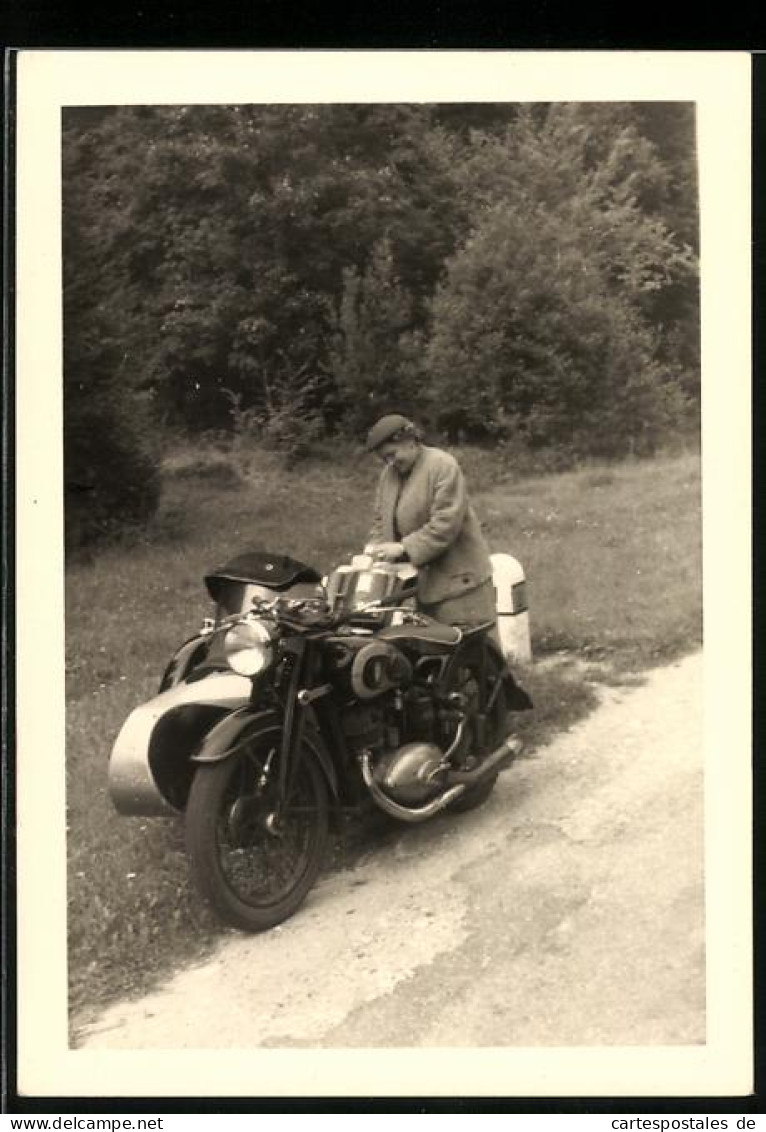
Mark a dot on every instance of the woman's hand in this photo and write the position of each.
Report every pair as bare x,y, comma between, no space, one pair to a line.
387,551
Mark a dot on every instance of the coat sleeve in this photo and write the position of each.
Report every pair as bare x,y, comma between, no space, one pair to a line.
447,507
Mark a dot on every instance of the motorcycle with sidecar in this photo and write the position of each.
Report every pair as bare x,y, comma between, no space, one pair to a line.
300,699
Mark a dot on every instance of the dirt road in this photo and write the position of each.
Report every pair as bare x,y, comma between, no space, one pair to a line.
566,911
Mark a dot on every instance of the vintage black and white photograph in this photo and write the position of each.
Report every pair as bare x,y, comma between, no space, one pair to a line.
383,520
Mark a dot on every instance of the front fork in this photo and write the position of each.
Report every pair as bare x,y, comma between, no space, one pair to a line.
297,694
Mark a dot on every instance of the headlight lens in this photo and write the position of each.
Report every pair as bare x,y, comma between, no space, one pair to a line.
249,647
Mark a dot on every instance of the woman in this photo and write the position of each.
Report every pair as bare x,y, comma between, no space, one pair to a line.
422,515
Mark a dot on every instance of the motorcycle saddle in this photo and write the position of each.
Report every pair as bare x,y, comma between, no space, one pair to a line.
260,568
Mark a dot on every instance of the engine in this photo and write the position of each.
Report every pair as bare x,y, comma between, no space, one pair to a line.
392,715
402,733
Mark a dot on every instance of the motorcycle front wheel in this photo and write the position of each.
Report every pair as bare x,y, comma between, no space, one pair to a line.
253,863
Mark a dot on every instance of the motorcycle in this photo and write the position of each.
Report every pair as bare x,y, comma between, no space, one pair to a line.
304,698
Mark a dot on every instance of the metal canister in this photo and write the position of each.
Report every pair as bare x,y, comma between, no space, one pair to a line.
337,585
362,588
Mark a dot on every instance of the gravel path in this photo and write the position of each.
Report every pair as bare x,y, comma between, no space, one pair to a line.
566,911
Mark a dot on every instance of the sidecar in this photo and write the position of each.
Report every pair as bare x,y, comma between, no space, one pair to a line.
150,771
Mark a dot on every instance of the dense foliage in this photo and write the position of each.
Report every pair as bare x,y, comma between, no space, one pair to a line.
110,467
547,323
500,271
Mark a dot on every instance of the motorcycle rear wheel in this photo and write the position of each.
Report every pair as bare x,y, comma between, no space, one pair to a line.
497,727
254,877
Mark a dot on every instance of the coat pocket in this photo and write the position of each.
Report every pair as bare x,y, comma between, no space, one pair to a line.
462,582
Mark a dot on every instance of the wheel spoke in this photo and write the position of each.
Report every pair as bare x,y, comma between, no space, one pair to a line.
258,863
252,859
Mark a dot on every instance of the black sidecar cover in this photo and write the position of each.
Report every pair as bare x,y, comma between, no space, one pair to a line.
260,568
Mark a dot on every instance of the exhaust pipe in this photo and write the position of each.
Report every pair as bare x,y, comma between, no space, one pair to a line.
458,782
500,758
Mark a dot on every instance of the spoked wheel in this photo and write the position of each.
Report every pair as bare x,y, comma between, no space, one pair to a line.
253,862
466,680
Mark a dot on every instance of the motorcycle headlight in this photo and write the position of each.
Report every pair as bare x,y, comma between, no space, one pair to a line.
249,647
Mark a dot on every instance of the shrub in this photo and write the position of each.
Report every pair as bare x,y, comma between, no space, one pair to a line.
112,480
287,425
542,325
208,464
111,476
377,355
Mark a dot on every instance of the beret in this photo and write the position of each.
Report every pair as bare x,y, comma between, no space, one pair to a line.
385,428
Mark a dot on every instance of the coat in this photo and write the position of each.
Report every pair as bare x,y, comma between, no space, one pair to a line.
429,513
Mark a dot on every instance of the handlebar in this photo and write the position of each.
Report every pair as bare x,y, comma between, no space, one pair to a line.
305,614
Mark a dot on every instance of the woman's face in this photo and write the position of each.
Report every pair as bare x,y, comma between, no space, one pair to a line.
400,454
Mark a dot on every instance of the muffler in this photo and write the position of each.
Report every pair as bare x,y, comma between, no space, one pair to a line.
406,813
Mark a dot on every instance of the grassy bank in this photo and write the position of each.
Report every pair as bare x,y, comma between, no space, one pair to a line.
612,554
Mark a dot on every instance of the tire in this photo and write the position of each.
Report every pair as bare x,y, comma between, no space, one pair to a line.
473,797
252,878
465,682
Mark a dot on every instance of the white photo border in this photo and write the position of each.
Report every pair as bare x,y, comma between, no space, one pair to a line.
719,84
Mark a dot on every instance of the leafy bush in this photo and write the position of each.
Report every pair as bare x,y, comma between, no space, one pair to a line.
111,473
112,481
287,425
377,360
213,467
111,476
540,328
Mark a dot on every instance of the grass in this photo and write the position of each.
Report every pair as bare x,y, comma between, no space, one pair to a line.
612,557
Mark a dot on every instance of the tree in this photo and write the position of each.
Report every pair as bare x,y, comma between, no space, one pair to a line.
541,325
377,358
225,233
110,458
303,256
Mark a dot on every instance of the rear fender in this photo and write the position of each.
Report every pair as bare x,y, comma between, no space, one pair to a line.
235,730
516,698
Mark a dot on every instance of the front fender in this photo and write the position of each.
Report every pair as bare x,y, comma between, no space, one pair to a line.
230,733
235,730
